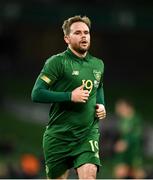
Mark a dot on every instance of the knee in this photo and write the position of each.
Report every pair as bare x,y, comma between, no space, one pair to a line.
87,171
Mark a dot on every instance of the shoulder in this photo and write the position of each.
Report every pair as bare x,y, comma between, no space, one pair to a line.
97,61
57,58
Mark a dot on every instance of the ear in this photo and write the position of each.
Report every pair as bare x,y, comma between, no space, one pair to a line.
66,38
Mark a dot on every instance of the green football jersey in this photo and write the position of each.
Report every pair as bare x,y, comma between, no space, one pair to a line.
65,72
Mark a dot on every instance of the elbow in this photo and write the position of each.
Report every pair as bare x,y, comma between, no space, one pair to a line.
34,96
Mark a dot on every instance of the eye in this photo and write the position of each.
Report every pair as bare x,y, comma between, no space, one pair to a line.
77,32
86,32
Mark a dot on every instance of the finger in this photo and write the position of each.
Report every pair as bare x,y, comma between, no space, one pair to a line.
86,91
85,98
85,95
101,118
100,110
81,87
83,101
101,114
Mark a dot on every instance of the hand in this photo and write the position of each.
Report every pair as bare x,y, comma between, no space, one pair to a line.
100,111
79,95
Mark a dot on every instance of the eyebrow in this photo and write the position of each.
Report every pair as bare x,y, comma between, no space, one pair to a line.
80,31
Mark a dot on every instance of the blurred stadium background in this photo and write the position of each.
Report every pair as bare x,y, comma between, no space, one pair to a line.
30,32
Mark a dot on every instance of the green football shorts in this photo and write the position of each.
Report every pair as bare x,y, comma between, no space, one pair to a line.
61,155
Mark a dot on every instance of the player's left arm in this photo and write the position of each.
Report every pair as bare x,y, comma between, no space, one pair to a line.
100,101
100,104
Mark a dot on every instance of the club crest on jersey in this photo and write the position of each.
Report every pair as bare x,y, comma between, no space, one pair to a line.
96,83
97,74
75,73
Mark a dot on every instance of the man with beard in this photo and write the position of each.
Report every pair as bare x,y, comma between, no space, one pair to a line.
73,82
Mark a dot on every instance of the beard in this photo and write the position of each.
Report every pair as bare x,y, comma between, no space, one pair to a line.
81,50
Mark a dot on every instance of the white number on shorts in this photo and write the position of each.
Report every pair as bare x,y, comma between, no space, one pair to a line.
94,145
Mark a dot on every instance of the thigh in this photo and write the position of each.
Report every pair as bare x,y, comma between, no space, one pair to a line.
87,171
87,157
56,154
87,151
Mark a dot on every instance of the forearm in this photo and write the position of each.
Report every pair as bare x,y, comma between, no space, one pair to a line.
100,96
42,94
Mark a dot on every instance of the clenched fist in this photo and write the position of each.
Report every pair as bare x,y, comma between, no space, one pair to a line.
100,111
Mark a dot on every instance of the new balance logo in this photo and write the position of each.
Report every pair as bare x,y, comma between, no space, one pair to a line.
75,73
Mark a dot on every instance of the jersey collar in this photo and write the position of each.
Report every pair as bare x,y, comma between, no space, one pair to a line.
70,53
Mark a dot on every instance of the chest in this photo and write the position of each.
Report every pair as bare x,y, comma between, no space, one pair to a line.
83,72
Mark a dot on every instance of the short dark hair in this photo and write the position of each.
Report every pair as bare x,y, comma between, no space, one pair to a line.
68,22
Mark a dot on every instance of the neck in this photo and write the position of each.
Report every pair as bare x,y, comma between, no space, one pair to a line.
78,54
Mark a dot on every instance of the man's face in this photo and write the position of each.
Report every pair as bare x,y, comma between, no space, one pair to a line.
79,37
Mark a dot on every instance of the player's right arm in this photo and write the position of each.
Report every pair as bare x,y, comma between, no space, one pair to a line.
50,73
42,94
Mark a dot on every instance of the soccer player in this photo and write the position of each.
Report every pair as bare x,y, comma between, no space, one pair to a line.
128,148
72,81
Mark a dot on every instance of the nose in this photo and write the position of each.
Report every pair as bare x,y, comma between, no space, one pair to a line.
83,36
